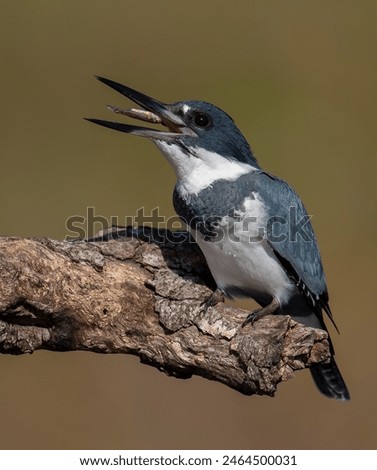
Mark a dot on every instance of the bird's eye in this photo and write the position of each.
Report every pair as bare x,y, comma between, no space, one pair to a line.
202,120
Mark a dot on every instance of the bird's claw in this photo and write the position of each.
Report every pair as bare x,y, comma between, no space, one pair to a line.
259,313
215,298
253,317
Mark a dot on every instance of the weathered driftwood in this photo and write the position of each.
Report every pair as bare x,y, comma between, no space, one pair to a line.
143,294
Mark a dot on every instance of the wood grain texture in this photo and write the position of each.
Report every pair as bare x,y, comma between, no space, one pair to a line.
141,292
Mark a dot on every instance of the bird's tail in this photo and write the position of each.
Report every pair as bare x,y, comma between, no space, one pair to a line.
326,376
329,380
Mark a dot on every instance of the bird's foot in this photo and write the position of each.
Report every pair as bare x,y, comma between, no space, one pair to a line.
259,313
215,298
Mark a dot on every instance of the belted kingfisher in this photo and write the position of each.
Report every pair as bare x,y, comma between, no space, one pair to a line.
251,226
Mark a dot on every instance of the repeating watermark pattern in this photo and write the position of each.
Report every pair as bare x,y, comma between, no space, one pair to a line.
153,226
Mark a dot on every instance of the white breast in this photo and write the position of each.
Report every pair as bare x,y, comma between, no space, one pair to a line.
241,257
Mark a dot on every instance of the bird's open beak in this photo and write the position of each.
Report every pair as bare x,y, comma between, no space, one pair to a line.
154,112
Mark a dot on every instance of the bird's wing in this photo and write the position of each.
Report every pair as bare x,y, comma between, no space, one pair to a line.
291,236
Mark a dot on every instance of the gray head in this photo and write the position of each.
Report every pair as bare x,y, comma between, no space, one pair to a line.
202,142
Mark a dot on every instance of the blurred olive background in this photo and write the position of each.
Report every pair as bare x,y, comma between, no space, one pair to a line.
299,78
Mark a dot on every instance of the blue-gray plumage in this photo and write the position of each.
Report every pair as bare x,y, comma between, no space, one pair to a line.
251,226
302,253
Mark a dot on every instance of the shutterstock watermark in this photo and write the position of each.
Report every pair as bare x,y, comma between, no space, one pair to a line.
235,226
93,225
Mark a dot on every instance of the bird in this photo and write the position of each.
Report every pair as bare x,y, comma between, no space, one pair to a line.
251,226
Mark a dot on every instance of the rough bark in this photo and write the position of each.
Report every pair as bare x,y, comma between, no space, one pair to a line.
141,292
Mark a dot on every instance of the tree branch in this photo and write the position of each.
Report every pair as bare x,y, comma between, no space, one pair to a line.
141,292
